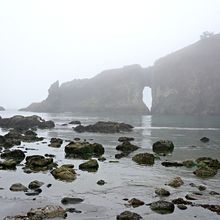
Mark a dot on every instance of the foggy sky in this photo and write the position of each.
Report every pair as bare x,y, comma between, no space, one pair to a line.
42,41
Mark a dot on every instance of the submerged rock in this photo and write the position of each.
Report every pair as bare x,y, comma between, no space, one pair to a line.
75,123
204,139
205,172
162,207
55,142
68,200
64,173
25,123
144,159
124,139
176,182
84,150
101,182
127,215
163,147
90,165
171,164
105,127
181,201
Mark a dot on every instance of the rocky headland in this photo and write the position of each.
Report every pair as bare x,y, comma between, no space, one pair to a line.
184,82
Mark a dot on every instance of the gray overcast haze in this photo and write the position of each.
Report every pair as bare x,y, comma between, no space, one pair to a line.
43,41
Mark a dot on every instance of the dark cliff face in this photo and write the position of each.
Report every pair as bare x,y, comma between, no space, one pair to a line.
184,82
117,90
188,81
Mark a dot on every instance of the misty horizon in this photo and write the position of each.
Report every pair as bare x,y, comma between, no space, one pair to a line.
42,42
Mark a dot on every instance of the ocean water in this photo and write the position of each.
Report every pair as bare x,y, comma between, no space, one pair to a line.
125,179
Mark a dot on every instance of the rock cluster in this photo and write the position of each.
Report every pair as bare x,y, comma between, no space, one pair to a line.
104,127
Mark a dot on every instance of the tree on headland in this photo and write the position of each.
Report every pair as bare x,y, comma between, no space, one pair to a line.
206,34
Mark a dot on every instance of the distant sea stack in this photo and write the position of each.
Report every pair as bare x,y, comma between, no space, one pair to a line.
185,82
116,90
2,109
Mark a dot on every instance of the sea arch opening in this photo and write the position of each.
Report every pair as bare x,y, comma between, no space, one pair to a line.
147,97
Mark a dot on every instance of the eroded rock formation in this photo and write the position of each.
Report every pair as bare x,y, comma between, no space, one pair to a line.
184,82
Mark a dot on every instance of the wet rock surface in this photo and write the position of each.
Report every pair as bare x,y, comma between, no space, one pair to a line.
38,163
126,147
90,165
144,159
84,150
205,172
163,147
135,202
56,142
16,155
175,182
162,192
16,187
162,207
64,173
105,127
35,184
127,215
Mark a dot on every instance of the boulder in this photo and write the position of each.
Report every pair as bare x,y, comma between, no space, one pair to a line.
205,172
84,150
8,164
39,163
176,182
56,142
105,127
144,159
135,202
127,215
90,165
162,207
35,184
163,147
17,155
207,161
64,173
16,187
46,212
162,192
25,123
127,147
